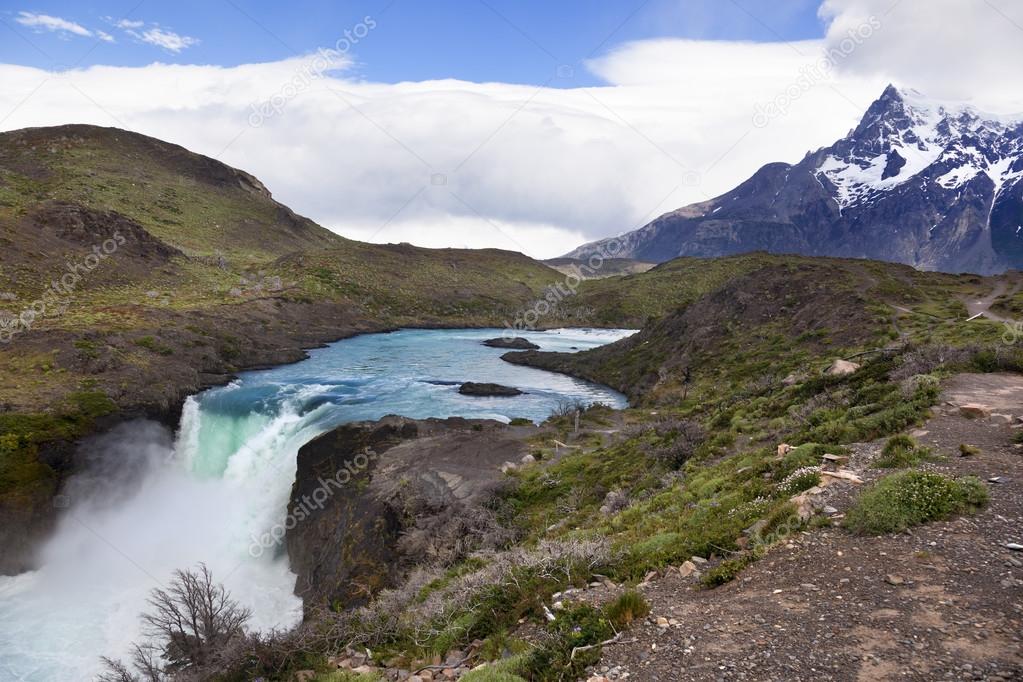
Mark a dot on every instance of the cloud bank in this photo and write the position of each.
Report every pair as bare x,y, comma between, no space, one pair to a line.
534,169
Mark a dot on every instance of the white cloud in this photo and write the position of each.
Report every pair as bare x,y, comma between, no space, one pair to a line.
105,37
45,22
168,40
154,35
453,163
956,49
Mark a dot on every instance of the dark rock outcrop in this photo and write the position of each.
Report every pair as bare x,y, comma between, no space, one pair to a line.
365,490
517,343
488,390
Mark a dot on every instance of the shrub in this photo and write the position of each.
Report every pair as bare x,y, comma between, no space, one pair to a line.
726,571
900,452
968,450
626,608
151,344
682,437
799,480
505,670
910,498
575,627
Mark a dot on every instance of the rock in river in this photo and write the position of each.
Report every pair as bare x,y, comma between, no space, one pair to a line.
488,390
518,343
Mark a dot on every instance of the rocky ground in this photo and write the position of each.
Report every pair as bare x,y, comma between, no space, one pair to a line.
943,601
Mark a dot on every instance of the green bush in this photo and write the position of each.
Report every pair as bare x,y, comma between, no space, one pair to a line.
726,571
910,498
505,670
901,452
576,626
626,608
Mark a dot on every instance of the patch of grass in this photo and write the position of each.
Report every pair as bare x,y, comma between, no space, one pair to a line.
21,435
901,452
577,626
726,571
629,606
504,670
151,344
911,498
968,450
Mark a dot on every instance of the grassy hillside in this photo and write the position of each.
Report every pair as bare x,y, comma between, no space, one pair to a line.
727,319
134,272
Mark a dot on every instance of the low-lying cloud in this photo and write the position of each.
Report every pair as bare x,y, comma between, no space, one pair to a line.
534,169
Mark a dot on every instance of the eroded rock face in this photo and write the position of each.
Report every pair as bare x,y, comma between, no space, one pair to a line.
369,498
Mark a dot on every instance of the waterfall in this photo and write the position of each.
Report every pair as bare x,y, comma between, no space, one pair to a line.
148,501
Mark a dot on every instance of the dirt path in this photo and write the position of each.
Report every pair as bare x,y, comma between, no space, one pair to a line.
944,601
982,306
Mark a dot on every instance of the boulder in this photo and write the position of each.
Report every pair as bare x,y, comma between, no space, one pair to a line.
488,390
687,569
517,343
842,367
974,411
808,502
784,449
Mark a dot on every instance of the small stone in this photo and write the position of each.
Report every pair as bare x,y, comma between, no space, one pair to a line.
894,579
687,569
1014,546
698,560
662,622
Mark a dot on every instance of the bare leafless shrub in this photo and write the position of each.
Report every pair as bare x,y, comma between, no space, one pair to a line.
191,626
927,359
568,408
424,606
682,437
439,530
614,502
801,413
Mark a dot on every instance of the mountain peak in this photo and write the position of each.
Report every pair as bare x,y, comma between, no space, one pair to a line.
934,184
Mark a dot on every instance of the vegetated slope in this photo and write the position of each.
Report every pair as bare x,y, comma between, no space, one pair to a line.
710,480
134,272
938,186
759,314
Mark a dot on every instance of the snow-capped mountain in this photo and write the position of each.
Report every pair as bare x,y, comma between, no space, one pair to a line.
935,185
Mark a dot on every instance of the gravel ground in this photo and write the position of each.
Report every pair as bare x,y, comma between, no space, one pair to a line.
944,601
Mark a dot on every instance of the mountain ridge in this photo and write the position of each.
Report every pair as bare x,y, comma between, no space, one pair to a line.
928,184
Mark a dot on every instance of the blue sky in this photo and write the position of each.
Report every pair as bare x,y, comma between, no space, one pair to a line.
512,41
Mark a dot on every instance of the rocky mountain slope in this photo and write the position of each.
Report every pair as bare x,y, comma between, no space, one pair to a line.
937,186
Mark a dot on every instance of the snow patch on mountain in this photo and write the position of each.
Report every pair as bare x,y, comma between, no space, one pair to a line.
907,135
